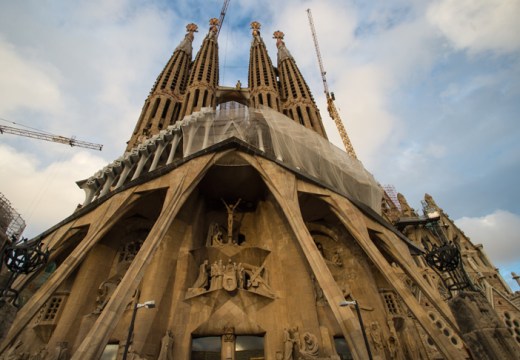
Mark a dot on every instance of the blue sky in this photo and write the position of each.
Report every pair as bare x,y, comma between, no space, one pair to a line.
429,92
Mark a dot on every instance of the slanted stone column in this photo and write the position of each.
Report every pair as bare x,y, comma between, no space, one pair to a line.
482,330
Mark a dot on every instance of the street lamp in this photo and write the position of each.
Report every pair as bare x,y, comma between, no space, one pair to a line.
147,304
356,305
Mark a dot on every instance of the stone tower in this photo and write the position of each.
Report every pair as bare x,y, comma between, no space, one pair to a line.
240,232
202,86
263,84
297,100
163,105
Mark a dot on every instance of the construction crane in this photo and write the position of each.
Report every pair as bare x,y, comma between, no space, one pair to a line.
49,137
222,15
331,107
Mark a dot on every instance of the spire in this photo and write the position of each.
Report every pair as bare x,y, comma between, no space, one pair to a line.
203,79
163,105
262,78
297,100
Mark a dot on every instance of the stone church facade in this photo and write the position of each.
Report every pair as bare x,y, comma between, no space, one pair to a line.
254,238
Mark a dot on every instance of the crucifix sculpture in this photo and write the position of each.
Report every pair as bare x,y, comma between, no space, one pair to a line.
230,210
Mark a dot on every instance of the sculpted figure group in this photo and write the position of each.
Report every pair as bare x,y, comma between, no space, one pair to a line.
296,348
231,276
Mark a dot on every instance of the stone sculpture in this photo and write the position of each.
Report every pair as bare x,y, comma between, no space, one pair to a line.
230,217
309,347
166,347
203,278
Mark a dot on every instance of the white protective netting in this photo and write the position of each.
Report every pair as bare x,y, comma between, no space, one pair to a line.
278,136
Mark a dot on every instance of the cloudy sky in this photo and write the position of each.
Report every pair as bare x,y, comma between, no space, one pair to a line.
429,92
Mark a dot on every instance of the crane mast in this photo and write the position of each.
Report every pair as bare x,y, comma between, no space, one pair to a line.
49,137
222,15
331,107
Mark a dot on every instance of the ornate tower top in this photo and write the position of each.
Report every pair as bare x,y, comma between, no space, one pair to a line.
213,27
297,100
191,28
203,79
186,44
163,105
278,35
255,25
262,77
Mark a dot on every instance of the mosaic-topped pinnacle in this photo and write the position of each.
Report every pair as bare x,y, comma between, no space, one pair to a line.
278,35
191,28
213,25
255,25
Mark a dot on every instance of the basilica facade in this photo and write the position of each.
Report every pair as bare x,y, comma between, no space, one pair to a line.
232,229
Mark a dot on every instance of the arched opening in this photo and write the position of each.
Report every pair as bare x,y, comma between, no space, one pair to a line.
155,107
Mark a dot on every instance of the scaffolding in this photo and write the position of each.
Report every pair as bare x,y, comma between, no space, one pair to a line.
11,223
392,194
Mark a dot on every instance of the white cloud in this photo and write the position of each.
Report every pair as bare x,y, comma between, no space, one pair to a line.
363,106
26,82
499,232
478,25
45,195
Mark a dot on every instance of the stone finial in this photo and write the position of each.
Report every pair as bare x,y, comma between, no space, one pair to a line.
278,35
191,28
213,25
405,208
429,200
186,43
255,25
283,53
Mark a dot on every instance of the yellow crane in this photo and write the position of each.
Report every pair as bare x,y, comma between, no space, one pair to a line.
331,107
222,15
49,137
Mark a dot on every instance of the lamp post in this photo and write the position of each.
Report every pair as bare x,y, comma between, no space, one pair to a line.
147,304
356,305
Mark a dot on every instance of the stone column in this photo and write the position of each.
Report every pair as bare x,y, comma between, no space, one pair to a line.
228,344
482,330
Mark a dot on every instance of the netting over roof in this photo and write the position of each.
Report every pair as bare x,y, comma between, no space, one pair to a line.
282,138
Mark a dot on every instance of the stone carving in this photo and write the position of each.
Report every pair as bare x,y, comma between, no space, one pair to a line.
309,347
234,276
392,346
213,27
318,291
217,272
230,217
393,340
230,274
255,26
202,281
105,291
288,345
257,280
229,281
376,338
60,352
166,347
215,235
241,272
134,355
41,354
13,353
228,343
306,348
336,258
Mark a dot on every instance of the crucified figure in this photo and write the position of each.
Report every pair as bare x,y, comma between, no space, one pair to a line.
230,210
